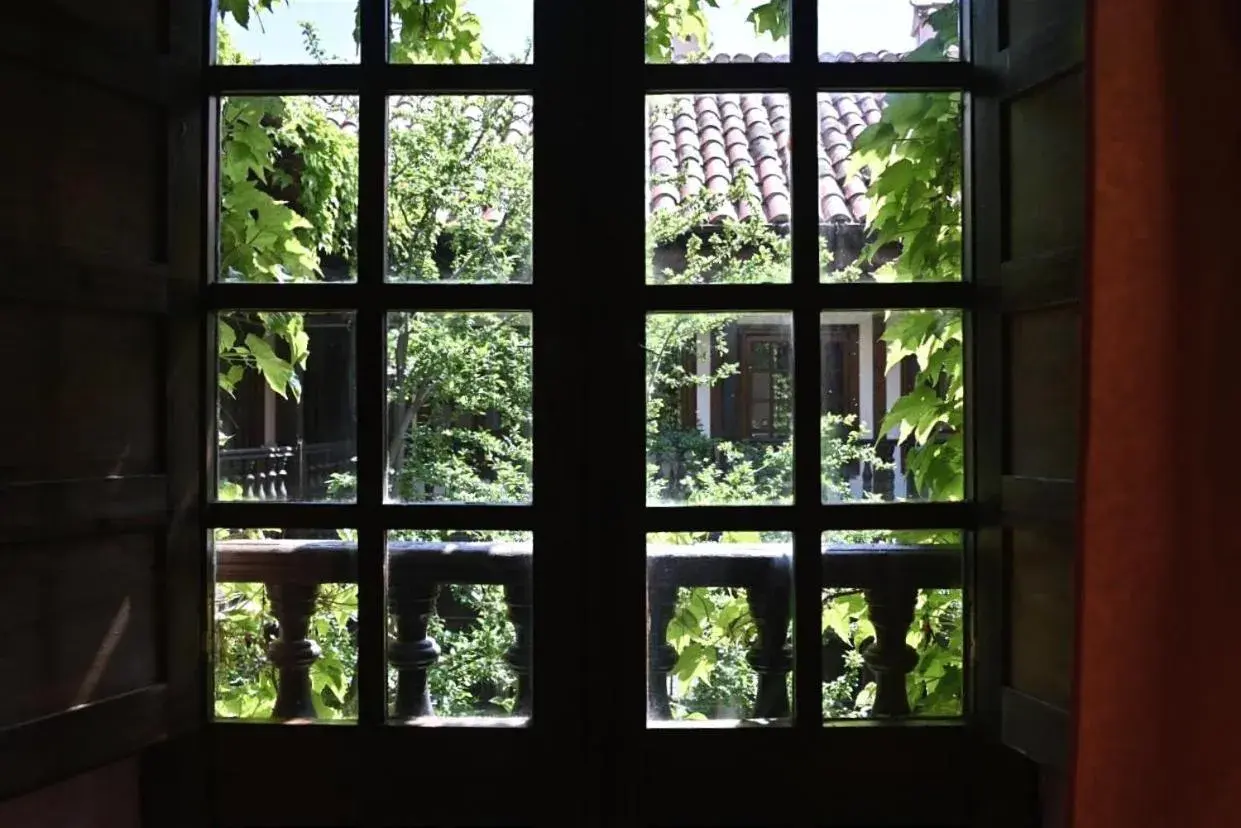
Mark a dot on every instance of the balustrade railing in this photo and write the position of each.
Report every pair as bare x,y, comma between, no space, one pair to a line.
888,576
295,473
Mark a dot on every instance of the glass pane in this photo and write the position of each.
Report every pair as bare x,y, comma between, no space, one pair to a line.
459,407
460,188
902,592
760,418
709,439
719,627
890,186
760,386
718,188
893,407
689,31
918,30
286,620
286,416
286,31
459,625
288,188
462,31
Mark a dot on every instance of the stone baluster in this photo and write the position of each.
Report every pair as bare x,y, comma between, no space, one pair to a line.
517,596
271,464
661,657
771,656
293,652
281,475
260,482
888,657
413,652
250,490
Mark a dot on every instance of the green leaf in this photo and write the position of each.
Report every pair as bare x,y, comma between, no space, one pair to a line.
239,9
277,372
894,178
230,378
865,629
226,337
837,618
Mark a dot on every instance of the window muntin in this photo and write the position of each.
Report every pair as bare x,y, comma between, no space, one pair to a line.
367,303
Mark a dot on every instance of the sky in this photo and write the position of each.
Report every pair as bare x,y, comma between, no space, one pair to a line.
844,25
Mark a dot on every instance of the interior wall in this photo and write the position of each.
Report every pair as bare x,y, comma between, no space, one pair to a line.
103,798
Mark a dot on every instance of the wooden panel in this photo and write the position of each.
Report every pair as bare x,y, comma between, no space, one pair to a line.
1045,181
47,276
103,798
86,180
1037,500
58,747
1040,282
70,508
1031,197
98,372
1042,614
78,623
134,21
1044,380
1021,19
1039,730
1053,790
83,441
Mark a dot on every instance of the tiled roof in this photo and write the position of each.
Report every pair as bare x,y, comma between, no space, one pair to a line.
709,142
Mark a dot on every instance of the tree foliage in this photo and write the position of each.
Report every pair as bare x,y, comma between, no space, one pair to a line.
459,393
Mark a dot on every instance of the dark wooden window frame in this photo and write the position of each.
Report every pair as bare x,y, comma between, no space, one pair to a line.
589,755
750,334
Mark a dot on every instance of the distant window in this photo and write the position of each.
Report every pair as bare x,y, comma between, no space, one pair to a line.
766,388
841,370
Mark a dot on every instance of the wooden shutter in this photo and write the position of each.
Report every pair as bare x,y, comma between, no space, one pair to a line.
101,554
1029,196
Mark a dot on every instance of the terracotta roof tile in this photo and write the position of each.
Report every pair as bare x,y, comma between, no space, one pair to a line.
714,141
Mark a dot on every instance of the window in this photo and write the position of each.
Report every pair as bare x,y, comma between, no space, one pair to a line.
765,369
438,309
842,375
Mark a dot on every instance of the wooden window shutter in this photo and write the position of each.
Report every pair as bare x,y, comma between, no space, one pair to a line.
1029,205
102,567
